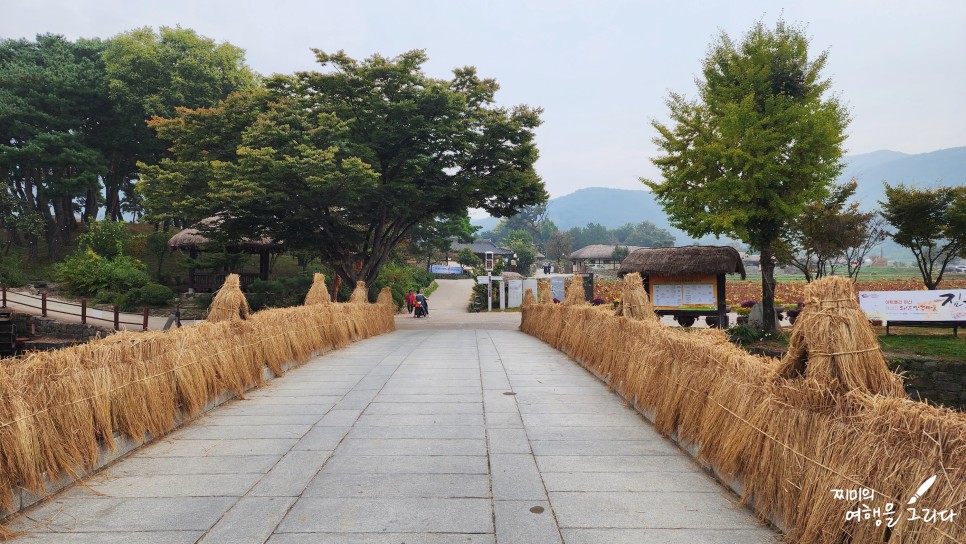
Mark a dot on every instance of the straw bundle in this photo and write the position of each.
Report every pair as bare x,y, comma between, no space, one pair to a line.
575,292
833,342
790,442
635,304
58,409
360,295
546,297
229,303
528,298
318,293
385,297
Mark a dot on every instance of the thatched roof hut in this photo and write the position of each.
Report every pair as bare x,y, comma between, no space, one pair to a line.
193,238
683,260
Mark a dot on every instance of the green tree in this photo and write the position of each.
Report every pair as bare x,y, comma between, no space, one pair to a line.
468,259
620,253
52,100
520,242
150,74
814,241
593,233
559,246
930,222
643,234
760,143
352,160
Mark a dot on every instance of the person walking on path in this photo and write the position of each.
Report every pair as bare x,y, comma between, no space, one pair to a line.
410,301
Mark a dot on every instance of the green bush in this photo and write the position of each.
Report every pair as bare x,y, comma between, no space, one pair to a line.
86,274
151,294
105,238
11,277
280,293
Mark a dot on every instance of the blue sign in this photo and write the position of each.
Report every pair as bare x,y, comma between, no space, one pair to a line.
443,269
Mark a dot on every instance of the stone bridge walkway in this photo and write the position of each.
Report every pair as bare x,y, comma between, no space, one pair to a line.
438,433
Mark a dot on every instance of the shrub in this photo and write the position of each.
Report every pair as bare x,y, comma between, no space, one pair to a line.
743,335
151,294
86,274
105,238
12,277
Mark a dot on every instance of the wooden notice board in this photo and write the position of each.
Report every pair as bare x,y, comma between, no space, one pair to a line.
684,292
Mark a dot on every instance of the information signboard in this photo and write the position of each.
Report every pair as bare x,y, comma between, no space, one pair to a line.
945,305
514,293
684,292
558,288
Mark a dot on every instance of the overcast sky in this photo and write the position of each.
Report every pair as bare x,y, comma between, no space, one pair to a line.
600,70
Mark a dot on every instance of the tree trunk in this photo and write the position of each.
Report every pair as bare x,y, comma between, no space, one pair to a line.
336,285
767,288
90,205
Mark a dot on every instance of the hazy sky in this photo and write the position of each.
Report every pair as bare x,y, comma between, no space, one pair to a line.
600,70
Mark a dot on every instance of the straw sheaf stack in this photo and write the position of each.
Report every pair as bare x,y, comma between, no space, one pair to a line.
229,303
546,297
834,343
575,292
58,408
360,295
635,304
528,298
318,293
789,441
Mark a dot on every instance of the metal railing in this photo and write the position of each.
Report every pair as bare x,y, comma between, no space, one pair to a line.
82,313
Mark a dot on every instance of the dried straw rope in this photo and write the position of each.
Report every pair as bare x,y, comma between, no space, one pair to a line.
58,408
790,440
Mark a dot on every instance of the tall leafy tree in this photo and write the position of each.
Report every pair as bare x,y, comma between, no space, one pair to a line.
559,246
351,160
762,140
150,74
930,222
52,100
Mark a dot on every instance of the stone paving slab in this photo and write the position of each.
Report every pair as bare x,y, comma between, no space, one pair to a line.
430,435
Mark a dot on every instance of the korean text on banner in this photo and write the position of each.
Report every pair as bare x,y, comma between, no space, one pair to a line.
945,305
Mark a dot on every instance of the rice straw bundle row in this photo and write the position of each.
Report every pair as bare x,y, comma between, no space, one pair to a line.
59,408
789,438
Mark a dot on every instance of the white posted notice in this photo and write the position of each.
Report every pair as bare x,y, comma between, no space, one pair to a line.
667,295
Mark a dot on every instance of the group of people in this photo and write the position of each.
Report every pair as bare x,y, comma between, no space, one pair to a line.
547,268
417,304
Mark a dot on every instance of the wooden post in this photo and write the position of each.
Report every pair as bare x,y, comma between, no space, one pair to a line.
722,303
84,311
4,287
43,304
144,327
117,318
191,270
263,261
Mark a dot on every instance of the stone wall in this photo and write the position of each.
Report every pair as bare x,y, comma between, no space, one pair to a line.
45,326
939,382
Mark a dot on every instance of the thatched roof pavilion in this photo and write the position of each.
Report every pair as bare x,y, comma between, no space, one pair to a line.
194,240
673,261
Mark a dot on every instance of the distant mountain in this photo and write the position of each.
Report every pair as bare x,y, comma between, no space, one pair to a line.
944,167
615,207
